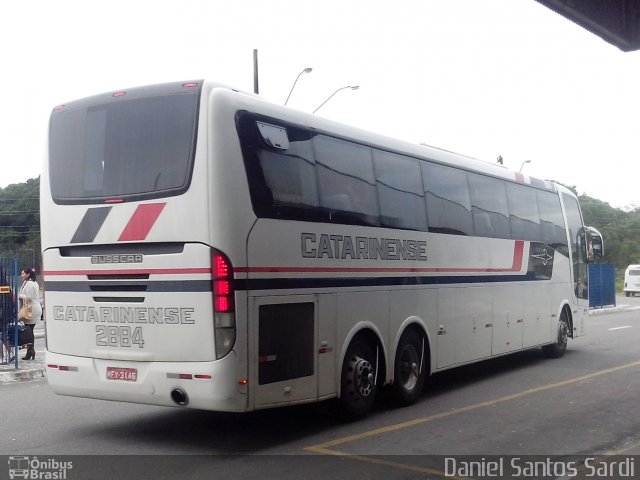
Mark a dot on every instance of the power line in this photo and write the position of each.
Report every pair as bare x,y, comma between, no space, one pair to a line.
20,234
17,226
13,199
16,212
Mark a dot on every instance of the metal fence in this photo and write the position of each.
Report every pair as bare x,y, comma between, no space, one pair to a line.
602,285
9,287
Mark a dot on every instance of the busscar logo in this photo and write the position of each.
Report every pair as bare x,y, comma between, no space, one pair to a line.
119,258
36,469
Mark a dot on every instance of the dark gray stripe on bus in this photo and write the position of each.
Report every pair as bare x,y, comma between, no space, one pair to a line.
296,283
90,225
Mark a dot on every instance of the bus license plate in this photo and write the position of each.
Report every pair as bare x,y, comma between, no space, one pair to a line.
126,374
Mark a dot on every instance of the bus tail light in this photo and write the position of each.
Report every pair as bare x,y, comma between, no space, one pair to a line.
223,303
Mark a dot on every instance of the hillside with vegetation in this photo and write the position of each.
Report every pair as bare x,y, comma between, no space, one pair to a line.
20,226
20,223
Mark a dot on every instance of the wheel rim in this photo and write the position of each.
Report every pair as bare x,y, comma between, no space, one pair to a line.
563,335
409,367
362,377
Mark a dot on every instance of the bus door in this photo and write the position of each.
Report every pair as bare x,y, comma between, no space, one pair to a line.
586,246
283,360
588,250
579,263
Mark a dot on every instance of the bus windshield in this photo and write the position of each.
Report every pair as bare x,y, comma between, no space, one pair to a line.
132,147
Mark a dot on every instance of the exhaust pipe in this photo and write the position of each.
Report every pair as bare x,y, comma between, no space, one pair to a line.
180,397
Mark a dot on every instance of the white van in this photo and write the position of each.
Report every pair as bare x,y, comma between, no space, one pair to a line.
632,280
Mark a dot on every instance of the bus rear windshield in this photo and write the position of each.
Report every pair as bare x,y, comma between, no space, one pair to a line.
130,148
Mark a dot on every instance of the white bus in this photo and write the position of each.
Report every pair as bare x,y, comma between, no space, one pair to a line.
206,248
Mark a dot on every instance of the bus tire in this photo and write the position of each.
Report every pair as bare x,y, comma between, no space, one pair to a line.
557,349
358,384
410,368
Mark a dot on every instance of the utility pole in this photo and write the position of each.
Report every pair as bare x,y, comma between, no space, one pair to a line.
256,90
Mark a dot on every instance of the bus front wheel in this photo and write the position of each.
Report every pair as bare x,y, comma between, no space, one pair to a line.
358,380
557,349
410,368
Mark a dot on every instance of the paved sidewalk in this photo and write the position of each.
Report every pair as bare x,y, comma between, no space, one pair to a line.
27,369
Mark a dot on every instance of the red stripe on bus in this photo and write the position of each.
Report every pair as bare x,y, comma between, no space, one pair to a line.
518,254
141,222
150,271
516,266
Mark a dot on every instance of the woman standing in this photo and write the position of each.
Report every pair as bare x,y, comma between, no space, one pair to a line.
30,293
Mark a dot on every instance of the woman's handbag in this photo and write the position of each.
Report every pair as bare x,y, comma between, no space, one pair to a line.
25,312
25,335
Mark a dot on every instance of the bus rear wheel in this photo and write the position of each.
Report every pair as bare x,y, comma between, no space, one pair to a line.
358,380
557,349
410,369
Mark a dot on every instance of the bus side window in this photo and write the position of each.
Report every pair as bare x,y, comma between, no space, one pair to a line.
400,191
523,212
346,179
552,222
447,199
290,174
489,206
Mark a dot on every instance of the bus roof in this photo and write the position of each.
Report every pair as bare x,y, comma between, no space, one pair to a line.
323,125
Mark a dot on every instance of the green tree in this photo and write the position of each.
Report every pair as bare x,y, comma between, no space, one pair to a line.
20,223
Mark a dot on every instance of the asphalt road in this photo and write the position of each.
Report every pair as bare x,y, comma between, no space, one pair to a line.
582,405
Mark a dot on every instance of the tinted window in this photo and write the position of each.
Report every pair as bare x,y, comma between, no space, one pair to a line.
134,148
290,173
400,191
489,206
298,174
345,178
447,197
523,212
552,221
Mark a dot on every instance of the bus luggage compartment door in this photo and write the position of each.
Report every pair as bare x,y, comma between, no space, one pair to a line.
283,362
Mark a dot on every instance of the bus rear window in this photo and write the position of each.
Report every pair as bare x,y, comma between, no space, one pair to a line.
131,148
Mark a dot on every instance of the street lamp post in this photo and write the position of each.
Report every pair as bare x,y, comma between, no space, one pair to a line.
523,164
306,70
354,87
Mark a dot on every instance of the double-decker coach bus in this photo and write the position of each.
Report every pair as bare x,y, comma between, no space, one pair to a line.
206,248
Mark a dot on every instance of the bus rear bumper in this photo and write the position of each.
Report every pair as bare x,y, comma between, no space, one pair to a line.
199,385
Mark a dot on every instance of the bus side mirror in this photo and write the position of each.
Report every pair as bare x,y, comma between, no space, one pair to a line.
594,245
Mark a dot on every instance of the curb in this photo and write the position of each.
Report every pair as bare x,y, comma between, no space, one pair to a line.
610,309
18,375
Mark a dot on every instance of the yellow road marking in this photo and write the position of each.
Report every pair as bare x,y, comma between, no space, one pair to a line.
624,450
387,463
326,447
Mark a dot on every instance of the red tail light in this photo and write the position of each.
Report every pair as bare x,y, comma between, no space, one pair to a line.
223,291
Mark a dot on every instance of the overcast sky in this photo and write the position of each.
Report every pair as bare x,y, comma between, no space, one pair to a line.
481,78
